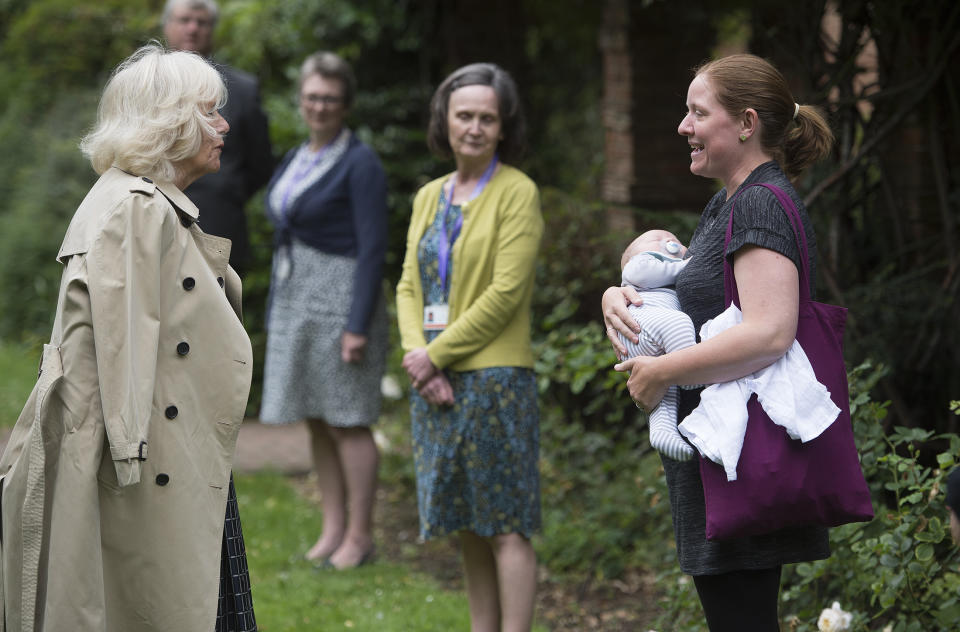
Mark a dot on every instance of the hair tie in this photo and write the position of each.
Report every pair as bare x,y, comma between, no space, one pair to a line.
796,110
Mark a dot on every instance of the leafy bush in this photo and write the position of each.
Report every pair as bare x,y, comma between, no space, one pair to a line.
898,572
52,47
575,376
605,504
43,178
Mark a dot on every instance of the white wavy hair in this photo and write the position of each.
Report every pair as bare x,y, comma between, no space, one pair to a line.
154,113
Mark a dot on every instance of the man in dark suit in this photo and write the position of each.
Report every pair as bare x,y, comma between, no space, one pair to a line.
247,160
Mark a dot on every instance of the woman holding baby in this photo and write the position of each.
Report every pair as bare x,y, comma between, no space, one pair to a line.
743,127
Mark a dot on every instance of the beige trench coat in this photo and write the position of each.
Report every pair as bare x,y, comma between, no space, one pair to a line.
114,481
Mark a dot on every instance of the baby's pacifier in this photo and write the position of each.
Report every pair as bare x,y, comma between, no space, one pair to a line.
672,247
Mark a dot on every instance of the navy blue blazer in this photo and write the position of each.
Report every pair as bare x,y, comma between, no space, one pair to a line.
342,213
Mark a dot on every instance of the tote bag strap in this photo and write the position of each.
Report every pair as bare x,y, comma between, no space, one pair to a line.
730,282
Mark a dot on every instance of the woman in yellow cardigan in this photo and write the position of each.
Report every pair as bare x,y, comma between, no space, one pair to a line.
463,304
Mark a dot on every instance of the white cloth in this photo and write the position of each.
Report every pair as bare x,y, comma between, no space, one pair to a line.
787,390
651,269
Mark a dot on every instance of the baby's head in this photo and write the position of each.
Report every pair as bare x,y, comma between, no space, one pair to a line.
662,241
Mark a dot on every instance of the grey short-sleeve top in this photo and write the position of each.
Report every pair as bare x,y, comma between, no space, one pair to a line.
758,220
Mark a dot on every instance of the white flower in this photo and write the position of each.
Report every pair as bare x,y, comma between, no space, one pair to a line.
390,387
382,441
834,619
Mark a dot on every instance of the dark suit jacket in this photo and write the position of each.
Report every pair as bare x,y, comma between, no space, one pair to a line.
246,164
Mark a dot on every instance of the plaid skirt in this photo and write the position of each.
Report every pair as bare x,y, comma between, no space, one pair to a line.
235,605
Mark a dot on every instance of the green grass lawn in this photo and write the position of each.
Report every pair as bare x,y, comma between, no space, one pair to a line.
18,372
290,594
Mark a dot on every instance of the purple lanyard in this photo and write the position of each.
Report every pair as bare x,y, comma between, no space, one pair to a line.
303,172
445,243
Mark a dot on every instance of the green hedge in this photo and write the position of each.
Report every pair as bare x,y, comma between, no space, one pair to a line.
898,572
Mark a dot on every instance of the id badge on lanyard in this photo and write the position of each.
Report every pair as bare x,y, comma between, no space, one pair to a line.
436,317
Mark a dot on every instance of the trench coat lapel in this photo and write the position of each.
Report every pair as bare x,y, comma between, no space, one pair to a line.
216,250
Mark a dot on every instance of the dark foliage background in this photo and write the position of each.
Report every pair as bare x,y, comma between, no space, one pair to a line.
886,205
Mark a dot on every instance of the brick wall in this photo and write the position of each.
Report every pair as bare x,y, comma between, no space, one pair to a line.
647,56
618,178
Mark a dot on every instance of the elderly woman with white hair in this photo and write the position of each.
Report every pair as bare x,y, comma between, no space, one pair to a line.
118,506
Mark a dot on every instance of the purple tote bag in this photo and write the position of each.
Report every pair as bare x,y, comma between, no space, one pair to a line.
782,482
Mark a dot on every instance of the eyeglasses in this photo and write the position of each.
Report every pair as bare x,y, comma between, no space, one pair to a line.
325,99
186,20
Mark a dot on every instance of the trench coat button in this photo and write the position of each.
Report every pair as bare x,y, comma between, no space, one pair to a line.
171,412
183,348
147,180
163,479
185,221
220,281
189,283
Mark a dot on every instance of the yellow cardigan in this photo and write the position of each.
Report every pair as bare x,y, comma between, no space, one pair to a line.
493,273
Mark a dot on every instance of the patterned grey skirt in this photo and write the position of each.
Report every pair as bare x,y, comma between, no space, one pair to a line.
304,376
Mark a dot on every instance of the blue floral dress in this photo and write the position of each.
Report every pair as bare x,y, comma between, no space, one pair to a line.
476,460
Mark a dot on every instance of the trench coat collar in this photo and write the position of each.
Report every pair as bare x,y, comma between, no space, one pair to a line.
143,184
87,216
179,200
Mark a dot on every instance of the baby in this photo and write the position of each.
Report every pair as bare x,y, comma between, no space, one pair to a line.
650,265
787,390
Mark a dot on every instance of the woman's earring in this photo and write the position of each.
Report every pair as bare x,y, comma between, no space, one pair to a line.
743,138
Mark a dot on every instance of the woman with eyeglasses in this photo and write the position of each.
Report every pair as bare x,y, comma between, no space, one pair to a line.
326,320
